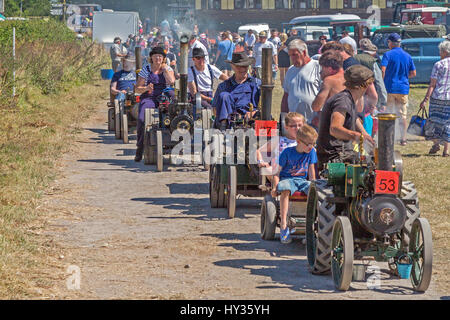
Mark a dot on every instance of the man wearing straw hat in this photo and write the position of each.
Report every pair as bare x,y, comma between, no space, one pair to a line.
235,94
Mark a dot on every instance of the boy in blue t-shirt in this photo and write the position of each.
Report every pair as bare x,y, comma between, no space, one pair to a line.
296,166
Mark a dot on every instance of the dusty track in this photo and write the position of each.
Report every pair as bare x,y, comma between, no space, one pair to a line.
137,233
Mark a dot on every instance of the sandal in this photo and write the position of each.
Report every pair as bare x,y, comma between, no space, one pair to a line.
434,149
445,155
403,143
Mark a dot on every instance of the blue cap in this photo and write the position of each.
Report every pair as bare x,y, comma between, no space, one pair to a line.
394,37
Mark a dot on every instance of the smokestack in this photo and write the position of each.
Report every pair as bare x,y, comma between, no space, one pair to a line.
184,52
386,134
138,55
267,84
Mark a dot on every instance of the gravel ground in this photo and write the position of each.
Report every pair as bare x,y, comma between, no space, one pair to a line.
133,233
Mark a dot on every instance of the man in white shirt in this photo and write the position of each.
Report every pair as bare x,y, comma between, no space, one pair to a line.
117,52
302,81
249,42
274,38
195,43
201,77
347,39
263,43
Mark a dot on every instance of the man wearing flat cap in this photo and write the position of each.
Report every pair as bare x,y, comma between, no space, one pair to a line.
235,94
201,77
339,124
397,67
369,59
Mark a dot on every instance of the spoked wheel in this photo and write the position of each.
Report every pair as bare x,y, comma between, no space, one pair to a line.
110,119
231,191
268,218
159,151
117,119
125,128
213,191
149,151
206,159
421,246
342,253
319,227
222,202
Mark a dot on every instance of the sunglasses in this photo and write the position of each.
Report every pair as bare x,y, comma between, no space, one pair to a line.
307,144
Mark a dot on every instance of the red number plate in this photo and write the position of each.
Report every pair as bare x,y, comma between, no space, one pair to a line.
265,128
387,181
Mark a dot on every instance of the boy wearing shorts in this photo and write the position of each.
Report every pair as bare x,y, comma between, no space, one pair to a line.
296,165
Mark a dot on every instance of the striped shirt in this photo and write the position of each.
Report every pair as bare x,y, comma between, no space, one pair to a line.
146,70
441,72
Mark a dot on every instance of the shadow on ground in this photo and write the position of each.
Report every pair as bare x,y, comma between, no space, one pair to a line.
286,271
200,209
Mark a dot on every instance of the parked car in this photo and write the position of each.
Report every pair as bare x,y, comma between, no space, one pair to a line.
379,37
425,53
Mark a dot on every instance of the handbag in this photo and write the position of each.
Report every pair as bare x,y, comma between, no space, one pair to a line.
417,124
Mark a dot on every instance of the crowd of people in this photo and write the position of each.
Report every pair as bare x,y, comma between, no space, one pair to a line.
331,99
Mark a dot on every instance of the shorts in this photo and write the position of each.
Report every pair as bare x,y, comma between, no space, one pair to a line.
397,103
294,184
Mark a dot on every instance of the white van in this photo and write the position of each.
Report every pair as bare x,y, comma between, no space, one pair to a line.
312,27
257,28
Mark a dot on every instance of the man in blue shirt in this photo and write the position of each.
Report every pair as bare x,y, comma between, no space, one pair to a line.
225,51
123,80
235,94
397,67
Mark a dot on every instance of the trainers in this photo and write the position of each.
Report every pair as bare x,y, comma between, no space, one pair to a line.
285,235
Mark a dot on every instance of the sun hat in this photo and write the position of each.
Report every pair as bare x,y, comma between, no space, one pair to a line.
241,59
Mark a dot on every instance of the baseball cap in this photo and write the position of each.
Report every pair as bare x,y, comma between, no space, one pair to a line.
263,34
394,37
198,53
117,38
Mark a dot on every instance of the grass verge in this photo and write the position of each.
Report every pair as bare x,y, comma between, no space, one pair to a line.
33,138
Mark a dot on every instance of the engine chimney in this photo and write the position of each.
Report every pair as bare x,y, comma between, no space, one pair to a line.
184,52
386,134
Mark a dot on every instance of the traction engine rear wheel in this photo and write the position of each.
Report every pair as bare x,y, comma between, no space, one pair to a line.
319,227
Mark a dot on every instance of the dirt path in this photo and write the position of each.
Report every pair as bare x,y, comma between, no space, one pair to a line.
135,233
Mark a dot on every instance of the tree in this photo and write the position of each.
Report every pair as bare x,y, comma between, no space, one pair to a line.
29,8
